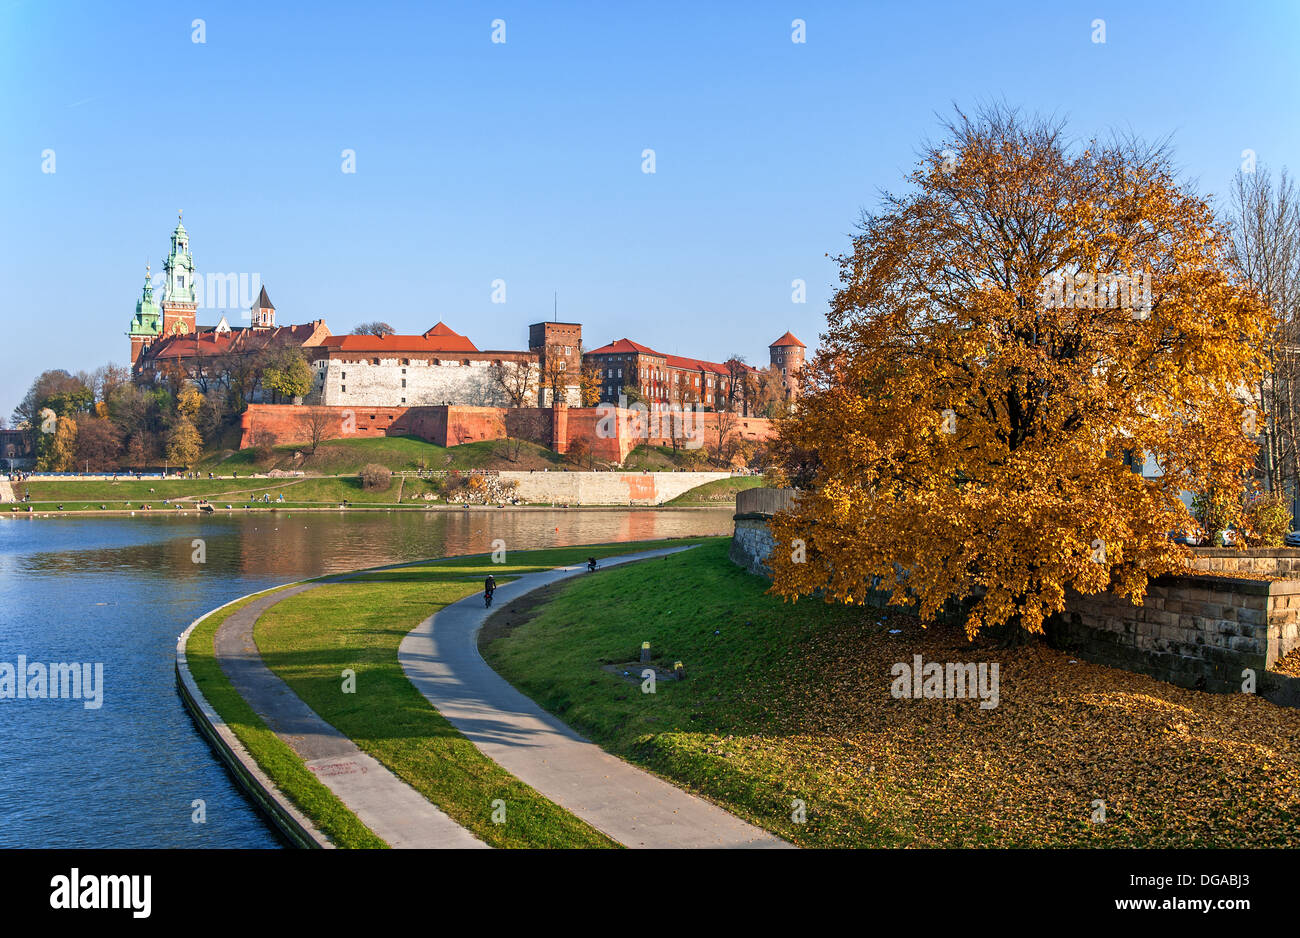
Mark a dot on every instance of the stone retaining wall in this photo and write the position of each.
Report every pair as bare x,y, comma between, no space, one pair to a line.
606,488
1197,630
1279,561
751,542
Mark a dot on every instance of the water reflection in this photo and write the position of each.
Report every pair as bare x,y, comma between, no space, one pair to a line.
119,590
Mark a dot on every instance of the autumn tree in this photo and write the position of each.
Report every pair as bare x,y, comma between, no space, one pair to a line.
99,443
373,328
589,383
516,380
724,446
189,401
57,451
555,378
683,427
769,393
316,422
737,373
1004,336
183,443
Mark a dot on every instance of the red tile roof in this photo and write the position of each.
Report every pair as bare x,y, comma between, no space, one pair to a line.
698,364
628,347
207,342
787,339
441,338
625,347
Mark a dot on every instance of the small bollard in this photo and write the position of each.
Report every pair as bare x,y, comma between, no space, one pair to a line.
645,652
679,669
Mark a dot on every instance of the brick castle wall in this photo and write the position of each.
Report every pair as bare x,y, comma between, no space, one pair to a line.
610,433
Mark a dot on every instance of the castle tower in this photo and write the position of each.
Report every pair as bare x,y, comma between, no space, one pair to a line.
787,353
146,324
179,304
557,345
263,312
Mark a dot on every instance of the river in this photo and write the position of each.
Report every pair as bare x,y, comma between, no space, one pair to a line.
119,590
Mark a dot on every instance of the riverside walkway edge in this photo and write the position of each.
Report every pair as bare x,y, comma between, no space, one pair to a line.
393,810
295,826
637,809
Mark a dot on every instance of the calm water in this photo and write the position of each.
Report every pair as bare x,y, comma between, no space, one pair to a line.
120,590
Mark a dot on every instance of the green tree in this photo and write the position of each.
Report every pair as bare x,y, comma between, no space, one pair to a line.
289,375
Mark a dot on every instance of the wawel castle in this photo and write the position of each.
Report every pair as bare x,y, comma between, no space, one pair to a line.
437,367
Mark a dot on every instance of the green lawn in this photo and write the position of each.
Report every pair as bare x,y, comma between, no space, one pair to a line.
664,459
719,491
77,495
309,639
784,702
399,453
277,760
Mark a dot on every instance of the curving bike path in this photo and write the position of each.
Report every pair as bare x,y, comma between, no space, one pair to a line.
395,811
635,808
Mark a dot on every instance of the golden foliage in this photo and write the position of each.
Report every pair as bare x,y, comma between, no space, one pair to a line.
969,429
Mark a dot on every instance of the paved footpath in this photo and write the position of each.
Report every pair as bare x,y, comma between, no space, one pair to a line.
633,807
394,810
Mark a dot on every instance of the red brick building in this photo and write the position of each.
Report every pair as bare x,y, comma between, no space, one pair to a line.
660,378
787,353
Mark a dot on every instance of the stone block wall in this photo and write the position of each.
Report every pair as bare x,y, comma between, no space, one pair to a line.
1278,562
751,542
1196,631
606,488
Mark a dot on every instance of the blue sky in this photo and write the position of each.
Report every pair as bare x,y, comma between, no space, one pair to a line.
522,161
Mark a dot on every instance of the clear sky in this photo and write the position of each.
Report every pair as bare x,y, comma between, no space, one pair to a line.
522,161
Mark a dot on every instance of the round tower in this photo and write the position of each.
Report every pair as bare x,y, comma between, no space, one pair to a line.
787,353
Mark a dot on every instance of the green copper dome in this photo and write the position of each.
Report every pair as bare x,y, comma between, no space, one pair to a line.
147,320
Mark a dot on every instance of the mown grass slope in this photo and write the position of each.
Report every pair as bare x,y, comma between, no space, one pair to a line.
786,704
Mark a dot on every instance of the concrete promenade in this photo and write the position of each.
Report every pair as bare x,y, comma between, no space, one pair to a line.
632,806
440,657
395,811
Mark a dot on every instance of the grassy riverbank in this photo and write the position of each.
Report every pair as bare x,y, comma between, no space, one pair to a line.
309,639
277,760
792,702
717,492
405,492
398,453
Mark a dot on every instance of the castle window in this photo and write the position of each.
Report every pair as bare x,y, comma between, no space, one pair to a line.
343,376
403,400
374,361
343,389
403,382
